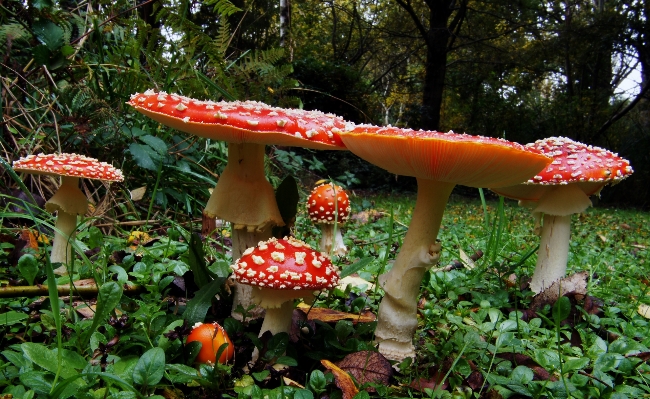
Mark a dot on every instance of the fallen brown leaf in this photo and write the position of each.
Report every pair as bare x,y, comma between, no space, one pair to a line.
433,382
331,316
576,284
342,380
367,366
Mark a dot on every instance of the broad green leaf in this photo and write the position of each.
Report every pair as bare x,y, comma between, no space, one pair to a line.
124,367
196,261
107,299
48,33
150,368
28,268
12,317
181,374
198,306
561,309
144,156
37,381
356,266
43,357
157,144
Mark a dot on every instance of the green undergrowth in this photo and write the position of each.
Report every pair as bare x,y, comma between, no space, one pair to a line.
480,335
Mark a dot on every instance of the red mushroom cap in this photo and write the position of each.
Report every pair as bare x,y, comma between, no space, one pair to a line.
243,121
473,161
285,264
68,165
323,204
590,168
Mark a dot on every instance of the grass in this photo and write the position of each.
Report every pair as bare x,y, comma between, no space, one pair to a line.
480,334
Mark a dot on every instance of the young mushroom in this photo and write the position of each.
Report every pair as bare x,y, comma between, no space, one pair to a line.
439,161
211,336
68,201
560,190
328,206
243,196
279,271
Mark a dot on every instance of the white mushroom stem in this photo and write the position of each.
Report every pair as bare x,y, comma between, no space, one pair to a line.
246,199
553,252
68,202
397,319
557,205
64,233
331,241
278,319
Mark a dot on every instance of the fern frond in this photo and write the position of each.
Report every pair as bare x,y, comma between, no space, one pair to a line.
223,7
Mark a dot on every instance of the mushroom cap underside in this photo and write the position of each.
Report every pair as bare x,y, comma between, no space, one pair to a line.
243,121
72,165
473,161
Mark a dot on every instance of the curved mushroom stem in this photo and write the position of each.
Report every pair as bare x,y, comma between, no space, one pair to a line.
246,199
65,227
397,319
553,252
331,242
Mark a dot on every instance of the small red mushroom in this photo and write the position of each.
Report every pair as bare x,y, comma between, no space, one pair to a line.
328,206
211,336
281,270
560,190
68,201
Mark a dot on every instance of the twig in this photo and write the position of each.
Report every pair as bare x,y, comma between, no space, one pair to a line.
87,290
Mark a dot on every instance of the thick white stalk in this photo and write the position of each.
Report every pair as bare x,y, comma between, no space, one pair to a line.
397,319
64,233
246,199
331,241
553,252
278,320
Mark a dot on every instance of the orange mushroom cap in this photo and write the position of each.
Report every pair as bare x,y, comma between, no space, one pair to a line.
323,204
243,121
589,167
211,336
473,161
68,165
285,264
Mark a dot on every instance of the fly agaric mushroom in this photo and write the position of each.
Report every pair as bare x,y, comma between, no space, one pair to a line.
439,161
211,336
68,201
279,272
243,196
560,190
328,206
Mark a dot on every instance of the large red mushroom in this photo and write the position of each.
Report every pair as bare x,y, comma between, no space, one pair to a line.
562,189
439,161
328,207
243,196
68,201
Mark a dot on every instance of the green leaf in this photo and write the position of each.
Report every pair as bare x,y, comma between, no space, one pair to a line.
107,299
42,4
287,361
196,261
28,267
11,317
181,374
37,381
561,309
355,267
150,368
43,357
48,33
198,306
287,198
157,144
144,156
